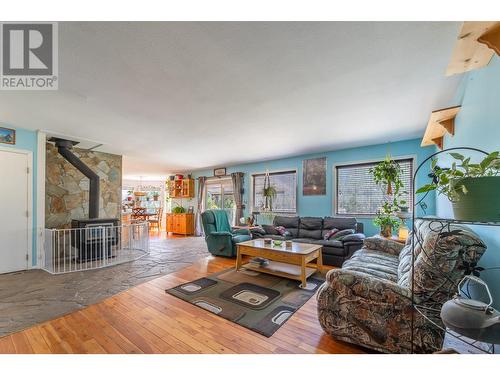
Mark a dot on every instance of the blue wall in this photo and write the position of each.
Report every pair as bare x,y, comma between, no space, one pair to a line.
478,125
27,140
323,205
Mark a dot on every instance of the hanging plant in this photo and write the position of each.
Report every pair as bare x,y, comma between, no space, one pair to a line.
269,193
388,173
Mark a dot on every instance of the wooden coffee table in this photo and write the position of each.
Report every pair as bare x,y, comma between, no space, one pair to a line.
292,263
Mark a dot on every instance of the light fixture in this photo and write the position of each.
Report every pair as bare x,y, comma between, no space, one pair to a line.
472,318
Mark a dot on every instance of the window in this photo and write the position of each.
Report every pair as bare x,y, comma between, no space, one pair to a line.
285,184
219,195
357,193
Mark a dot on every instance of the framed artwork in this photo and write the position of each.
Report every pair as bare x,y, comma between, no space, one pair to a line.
314,176
219,172
7,136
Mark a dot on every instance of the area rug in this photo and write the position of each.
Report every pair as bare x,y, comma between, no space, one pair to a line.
260,302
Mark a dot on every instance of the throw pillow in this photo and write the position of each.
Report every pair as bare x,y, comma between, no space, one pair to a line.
341,234
281,230
330,233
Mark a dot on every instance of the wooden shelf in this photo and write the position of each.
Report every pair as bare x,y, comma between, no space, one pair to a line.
441,122
469,53
280,269
181,188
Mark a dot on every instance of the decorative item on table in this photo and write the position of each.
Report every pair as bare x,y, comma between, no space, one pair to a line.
288,244
7,136
472,318
277,243
403,215
219,172
471,188
179,176
267,241
314,176
190,209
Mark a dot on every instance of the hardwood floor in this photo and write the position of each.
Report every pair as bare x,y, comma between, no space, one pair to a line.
145,319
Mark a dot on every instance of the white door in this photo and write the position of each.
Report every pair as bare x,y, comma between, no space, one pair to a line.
14,225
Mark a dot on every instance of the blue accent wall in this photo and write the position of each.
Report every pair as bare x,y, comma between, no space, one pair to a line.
27,140
322,205
478,125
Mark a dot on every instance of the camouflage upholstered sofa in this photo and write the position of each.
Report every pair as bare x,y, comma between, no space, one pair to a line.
368,301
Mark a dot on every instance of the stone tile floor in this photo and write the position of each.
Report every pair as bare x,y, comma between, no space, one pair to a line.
31,297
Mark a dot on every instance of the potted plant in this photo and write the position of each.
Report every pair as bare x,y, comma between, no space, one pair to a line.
178,209
269,193
472,188
386,219
388,174
156,195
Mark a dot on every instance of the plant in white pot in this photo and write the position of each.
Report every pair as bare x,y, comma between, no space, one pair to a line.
387,174
472,188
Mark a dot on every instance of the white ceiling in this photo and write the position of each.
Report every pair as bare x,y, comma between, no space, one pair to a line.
181,96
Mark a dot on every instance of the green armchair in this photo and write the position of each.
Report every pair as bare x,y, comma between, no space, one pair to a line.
221,239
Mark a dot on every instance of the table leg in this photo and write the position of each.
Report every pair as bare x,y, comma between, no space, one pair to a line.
238,258
303,272
319,261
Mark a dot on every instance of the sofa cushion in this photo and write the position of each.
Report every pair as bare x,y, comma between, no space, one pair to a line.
333,250
339,223
311,227
342,233
374,263
405,259
440,264
209,221
291,224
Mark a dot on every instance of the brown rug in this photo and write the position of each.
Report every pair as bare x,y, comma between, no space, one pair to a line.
260,302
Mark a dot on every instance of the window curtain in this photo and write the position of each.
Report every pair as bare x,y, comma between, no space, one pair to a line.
237,178
201,200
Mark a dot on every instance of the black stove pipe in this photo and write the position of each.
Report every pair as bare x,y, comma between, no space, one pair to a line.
63,147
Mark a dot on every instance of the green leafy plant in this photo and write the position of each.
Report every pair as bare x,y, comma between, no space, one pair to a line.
388,173
451,181
178,209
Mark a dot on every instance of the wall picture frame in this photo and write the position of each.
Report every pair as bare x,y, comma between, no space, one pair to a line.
7,136
314,176
219,172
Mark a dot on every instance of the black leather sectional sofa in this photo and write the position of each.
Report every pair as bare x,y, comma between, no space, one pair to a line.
313,229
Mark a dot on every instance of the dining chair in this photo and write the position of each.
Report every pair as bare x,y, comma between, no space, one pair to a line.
156,219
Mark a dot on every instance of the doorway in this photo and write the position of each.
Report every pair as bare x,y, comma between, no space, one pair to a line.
219,195
15,218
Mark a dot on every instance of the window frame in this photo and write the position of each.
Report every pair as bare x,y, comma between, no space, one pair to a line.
411,157
280,171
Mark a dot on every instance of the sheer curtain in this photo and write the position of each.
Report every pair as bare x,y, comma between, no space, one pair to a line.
201,200
237,178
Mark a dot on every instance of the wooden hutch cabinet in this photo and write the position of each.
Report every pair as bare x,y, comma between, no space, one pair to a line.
182,188
181,223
